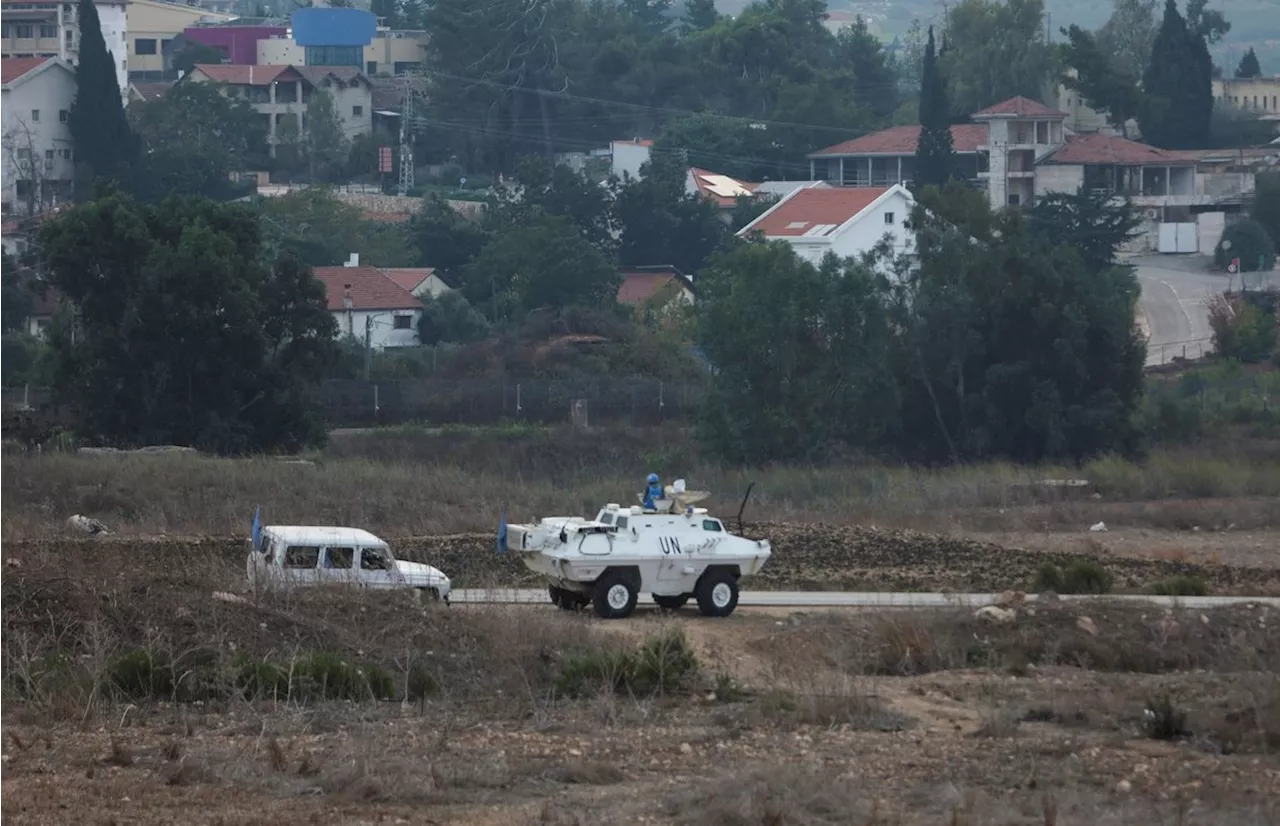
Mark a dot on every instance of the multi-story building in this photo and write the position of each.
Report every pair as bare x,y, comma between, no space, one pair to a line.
1250,94
347,37
1019,151
152,29
39,157
280,94
51,28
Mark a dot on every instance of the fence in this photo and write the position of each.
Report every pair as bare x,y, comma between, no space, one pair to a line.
354,403
358,403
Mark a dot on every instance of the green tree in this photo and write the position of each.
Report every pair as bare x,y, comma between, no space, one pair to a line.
1101,80
1249,241
450,318
326,143
874,77
994,51
699,15
1249,66
1179,86
192,53
1088,221
444,238
542,188
661,224
106,148
543,262
1014,345
194,138
322,231
935,155
184,335
17,293
1128,35
801,357
1265,206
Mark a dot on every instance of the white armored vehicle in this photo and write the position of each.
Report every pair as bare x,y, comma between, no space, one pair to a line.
672,551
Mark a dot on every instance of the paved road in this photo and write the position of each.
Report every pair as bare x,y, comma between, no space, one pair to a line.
1174,291
847,599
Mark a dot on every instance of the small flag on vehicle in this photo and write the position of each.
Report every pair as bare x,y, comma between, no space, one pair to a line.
502,533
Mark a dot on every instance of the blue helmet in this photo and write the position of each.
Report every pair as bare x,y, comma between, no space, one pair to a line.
653,478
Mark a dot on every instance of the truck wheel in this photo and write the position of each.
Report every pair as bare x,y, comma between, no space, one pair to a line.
717,594
674,603
614,596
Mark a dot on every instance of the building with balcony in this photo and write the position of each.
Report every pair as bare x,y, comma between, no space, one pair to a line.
38,153
51,28
279,94
1019,150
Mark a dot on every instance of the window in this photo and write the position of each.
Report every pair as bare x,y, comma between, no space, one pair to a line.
301,556
339,558
144,45
23,188
63,116
48,154
711,525
48,31
70,36
888,218
24,154
371,68
622,521
66,153
357,111
35,115
403,322
372,560
23,30
606,519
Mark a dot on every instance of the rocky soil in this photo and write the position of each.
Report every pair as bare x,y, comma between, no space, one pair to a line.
805,557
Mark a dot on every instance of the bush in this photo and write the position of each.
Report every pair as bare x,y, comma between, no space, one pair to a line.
1249,241
661,664
142,674
1080,577
1181,586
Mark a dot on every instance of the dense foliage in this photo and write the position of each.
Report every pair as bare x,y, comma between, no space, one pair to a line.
183,335
105,146
1003,339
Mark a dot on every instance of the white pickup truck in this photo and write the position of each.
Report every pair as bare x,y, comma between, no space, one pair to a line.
293,556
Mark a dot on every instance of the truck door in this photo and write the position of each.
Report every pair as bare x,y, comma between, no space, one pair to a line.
377,570
299,564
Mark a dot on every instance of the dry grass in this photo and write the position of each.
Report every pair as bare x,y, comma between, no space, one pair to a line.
405,482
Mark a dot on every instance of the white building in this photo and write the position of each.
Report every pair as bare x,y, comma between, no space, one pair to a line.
845,221
1019,151
51,28
352,94
38,152
367,301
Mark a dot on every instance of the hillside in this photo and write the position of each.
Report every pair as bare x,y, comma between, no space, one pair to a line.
1254,23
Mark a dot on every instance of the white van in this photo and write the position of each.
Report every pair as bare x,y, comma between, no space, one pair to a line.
300,556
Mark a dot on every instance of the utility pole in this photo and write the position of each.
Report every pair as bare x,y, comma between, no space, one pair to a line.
406,153
368,345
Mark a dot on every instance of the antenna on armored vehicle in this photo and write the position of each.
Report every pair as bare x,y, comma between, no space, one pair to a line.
744,505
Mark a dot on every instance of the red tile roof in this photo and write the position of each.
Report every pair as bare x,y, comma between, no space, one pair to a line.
1111,149
371,289
901,140
808,208
641,284
241,75
709,182
12,68
1019,107
408,277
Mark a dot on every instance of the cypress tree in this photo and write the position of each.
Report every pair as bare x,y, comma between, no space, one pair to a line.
935,157
1179,86
105,146
1249,66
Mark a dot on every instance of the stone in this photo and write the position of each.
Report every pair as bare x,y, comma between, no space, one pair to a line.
685,748
996,614
1087,625
1124,787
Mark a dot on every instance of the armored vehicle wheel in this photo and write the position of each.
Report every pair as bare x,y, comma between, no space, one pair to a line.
614,596
717,594
674,603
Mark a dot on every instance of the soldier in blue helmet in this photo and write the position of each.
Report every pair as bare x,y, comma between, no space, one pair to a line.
652,493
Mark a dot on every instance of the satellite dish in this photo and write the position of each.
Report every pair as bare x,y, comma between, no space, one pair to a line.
678,486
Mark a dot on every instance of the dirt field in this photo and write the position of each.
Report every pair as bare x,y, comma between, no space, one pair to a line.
132,696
